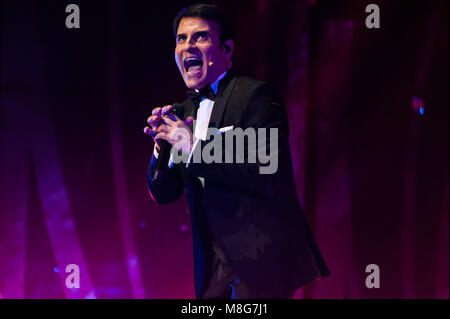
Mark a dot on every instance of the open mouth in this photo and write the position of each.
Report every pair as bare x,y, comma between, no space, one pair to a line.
193,65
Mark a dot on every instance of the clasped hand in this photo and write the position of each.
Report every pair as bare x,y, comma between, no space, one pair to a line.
164,125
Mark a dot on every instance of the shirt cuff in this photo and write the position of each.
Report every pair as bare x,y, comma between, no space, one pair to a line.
155,152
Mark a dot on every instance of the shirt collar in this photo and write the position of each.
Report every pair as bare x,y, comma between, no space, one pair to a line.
215,85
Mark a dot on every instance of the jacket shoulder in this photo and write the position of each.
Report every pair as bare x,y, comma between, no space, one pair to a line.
248,84
247,87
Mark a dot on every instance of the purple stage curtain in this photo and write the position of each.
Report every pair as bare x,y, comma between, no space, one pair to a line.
368,115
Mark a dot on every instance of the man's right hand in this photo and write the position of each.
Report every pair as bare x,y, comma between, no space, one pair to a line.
155,120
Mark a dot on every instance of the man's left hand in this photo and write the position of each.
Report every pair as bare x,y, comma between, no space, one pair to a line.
176,132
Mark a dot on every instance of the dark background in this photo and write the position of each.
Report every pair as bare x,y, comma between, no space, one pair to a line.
371,171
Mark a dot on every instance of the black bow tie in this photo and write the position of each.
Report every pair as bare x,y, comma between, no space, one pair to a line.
207,92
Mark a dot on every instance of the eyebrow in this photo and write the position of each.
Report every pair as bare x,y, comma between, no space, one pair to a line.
205,32
196,34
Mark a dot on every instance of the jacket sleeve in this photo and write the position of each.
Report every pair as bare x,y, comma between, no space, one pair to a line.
263,114
170,186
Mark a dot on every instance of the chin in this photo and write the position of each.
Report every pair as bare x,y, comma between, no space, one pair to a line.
195,84
191,85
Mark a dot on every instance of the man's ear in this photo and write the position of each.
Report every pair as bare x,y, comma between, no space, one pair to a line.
229,48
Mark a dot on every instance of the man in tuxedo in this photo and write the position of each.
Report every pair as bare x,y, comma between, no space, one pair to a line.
250,236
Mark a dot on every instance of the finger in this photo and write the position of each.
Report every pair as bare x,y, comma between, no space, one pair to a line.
166,109
156,111
149,131
153,120
170,119
162,136
152,133
163,128
189,120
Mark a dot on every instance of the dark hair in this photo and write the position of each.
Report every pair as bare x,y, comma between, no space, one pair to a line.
206,12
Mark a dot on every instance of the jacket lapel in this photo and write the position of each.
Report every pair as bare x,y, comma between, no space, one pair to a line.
223,94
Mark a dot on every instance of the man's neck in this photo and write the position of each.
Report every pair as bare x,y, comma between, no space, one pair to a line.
215,85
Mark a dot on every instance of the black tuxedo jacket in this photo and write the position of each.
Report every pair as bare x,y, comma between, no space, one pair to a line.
256,219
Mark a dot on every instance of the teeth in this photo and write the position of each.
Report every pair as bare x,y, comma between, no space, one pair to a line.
192,59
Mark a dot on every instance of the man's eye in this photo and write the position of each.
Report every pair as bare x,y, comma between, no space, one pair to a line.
180,39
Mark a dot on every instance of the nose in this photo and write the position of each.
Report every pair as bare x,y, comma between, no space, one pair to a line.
189,44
